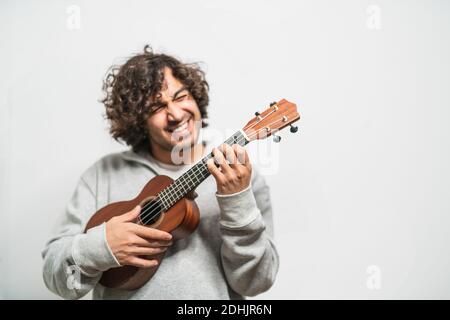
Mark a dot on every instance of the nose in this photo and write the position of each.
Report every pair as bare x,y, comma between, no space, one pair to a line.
174,113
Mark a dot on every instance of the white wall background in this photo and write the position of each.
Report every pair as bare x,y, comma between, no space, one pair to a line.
366,182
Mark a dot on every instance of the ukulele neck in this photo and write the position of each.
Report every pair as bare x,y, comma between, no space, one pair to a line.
189,180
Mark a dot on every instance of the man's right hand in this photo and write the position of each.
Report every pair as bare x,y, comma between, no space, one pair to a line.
129,240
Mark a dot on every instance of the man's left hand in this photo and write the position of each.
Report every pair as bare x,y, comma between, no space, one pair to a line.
234,171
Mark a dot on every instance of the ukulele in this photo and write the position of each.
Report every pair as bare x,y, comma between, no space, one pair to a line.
165,203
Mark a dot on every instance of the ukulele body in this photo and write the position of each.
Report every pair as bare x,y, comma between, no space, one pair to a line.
180,220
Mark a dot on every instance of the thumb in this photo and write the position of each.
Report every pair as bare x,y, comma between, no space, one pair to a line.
131,215
192,195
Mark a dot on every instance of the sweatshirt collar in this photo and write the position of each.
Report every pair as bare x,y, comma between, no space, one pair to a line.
143,157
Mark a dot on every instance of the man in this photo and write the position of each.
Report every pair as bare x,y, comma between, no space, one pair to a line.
153,103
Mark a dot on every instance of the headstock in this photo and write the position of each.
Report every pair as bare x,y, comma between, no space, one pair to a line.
279,115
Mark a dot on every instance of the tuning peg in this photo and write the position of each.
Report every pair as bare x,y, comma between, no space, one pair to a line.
273,103
294,129
257,113
276,138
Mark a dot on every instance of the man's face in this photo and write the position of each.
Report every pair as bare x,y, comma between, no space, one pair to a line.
174,123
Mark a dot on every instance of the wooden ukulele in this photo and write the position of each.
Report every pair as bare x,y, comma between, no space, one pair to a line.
164,202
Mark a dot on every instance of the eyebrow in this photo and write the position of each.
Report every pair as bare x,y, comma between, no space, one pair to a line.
159,103
176,93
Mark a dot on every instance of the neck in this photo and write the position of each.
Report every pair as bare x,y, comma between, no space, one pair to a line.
165,156
189,180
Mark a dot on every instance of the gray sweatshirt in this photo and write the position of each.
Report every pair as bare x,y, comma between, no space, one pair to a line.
229,256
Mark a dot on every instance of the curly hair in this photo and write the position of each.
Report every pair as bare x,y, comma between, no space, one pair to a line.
130,88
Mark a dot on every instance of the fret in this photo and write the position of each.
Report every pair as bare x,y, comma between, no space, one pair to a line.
202,170
162,200
195,174
193,183
188,180
182,183
168,191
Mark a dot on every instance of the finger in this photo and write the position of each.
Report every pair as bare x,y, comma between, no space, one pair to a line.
150,233
244,153
241,154
214,170
192,195
143,251
130,215
220,160
230,155
141,242
142,263
218,157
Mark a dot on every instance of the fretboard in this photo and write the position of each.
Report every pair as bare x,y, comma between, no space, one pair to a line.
189,180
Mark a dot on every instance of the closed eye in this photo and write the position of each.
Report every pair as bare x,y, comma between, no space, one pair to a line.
157,106
180,97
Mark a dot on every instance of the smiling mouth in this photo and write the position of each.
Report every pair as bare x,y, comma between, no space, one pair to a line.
184,126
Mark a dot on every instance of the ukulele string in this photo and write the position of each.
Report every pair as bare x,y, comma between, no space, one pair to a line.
148,211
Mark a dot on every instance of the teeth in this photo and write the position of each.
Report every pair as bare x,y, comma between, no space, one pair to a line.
181,128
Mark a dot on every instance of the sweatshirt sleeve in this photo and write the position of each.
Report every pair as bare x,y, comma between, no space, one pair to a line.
249,257
74,260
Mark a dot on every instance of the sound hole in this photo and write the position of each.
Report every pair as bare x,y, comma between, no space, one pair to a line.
150,212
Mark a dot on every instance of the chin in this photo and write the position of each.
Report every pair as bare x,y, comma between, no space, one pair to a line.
186,143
